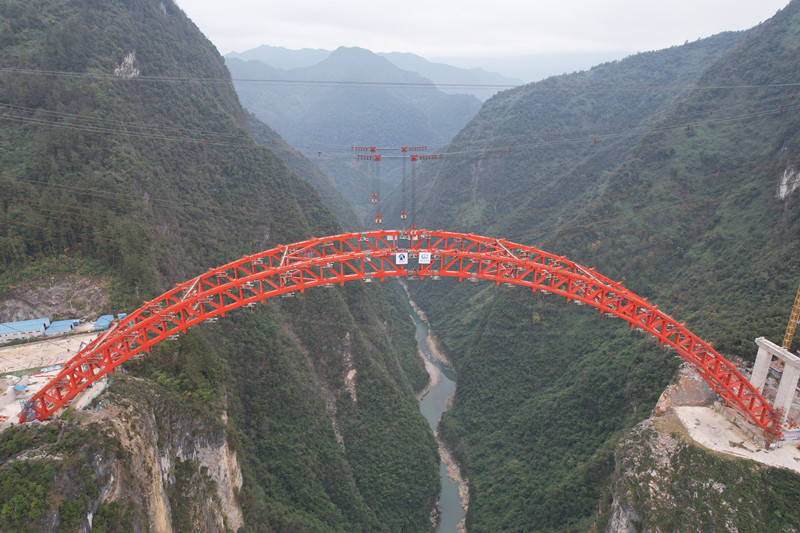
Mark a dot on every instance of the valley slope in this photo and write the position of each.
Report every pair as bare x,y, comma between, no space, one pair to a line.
126,157
663,170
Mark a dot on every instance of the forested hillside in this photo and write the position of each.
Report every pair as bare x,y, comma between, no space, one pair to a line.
671,171
126,156
311,172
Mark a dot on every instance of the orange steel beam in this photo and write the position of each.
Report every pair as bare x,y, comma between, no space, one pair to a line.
382,254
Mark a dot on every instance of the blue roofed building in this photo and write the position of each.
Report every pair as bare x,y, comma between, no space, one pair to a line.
23,329
59,327
102,323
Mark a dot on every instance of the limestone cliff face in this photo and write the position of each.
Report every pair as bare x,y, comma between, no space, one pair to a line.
73,296
137,462
182,472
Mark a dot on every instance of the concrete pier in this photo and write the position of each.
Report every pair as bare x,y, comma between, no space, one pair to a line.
791,373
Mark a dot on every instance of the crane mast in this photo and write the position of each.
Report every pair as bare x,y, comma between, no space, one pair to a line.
793,318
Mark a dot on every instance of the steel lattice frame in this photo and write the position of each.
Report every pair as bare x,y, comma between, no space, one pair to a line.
373,255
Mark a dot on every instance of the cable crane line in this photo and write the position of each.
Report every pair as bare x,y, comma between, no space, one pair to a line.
403,204
777,105
376,174
370,153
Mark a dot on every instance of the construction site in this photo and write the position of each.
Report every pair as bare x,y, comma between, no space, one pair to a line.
745,410
26,368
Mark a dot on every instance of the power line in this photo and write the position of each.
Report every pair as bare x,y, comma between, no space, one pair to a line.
540,86
237,139
151,131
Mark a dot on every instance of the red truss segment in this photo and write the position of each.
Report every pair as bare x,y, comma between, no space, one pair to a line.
372,255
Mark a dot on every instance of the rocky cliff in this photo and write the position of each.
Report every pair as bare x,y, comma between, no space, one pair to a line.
137,460
666,481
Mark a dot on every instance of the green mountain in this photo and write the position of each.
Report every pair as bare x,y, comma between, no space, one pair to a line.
351,98
670,171
127,161
307,170
324,105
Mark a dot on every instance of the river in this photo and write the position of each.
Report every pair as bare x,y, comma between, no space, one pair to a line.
432,405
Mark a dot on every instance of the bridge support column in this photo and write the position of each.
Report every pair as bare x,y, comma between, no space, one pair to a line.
761,368
785,395
789,378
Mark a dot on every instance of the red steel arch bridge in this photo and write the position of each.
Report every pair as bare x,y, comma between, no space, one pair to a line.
377,255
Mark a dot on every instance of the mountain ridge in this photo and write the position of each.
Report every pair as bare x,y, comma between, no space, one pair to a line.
448,78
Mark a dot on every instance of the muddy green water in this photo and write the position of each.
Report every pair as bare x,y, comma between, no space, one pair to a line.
432,405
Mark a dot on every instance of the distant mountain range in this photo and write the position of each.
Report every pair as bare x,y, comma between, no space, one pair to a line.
353,97
280,57
447,78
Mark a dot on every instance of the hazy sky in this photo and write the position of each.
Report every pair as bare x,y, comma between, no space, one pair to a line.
470,30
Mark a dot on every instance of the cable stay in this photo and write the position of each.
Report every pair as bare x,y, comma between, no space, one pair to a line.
370,153
403,188
377,188
414,190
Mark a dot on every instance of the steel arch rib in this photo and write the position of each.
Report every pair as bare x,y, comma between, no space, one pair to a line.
372,255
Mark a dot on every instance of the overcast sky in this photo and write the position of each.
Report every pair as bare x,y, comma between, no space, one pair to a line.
470,32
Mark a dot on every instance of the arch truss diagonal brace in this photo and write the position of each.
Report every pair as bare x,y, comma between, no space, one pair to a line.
381,254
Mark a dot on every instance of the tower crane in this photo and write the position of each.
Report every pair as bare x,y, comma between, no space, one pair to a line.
793,318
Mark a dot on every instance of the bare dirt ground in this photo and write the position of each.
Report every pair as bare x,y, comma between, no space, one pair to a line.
65,296
56,297
50,353
711,429
691,399
47,352
11,400
434,374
